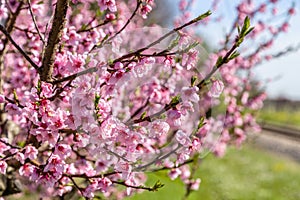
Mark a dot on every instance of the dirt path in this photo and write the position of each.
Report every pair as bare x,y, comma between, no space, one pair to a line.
283,146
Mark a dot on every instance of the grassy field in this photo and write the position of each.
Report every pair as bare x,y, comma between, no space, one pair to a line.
284,117
245,174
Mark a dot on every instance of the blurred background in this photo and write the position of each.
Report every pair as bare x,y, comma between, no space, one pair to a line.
267,166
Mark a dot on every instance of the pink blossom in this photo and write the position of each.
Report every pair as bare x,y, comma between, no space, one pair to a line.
174,118
183,4
145,9
274,11
20,157
292,11
3,11
55,165
190,94
107,4
174,173
284,27
3,146
195,184
63,150
185,172
262,8
216,88
26,170
123,168
103,184
13,109
2,98
182,138
30,152
110,16
47,90
158,128
219,149
3,166
101,165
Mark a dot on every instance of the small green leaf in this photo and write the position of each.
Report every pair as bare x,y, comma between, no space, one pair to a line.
144,114
15,96
175,100
96,100
201,123
249,31
219,61
193,80
174,43
203,16
239,29
246,26
234,55
157,185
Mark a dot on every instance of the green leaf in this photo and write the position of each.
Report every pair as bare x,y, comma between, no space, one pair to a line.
249,31
219,61
201,17
174,43
175,100
193,80
201,123
144,114
96,100
157,185
246,26
15,95
234,55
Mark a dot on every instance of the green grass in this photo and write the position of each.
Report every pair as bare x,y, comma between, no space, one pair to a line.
284,117
246,174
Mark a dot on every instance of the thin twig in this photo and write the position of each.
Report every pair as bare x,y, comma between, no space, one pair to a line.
140,187
93,27
137,52
34,22
157,159
4,31
75,184
73,76
217,66
138,3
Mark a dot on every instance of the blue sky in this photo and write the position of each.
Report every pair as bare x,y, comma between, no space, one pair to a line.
285,71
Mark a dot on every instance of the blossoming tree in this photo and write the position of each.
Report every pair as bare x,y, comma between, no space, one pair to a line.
91,99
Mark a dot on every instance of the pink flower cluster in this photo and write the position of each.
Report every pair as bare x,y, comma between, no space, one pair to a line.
121,101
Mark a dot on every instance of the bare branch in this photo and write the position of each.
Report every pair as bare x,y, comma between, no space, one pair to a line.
5,32
35,23
137,52
73,76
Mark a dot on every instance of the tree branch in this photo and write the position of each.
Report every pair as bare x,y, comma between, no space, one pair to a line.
5,32
35,23
137,52
53,40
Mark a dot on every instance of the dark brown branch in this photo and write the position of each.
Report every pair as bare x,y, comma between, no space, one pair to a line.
140,187
6,33
75,184
73,76
155,115
97,26
53,40
139,110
